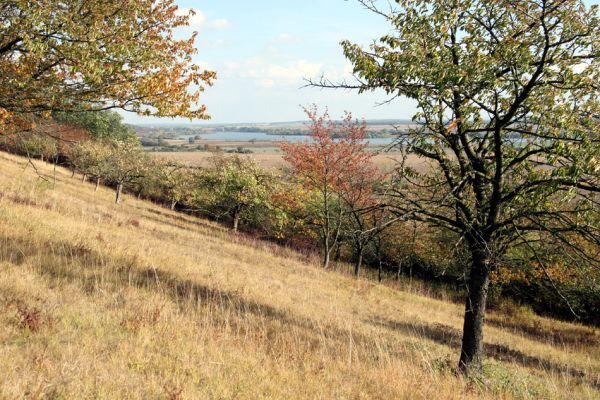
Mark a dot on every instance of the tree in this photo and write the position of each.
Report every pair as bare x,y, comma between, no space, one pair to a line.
101,124
508,103
235,187
95,55
91,158
174,180
126,163
335,165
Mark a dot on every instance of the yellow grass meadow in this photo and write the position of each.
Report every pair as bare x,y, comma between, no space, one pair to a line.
138,302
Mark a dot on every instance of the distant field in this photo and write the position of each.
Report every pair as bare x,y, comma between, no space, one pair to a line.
274,160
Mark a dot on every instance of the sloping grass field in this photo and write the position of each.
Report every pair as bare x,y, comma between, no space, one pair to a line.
135,301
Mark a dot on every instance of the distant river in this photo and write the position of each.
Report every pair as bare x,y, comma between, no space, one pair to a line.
261,136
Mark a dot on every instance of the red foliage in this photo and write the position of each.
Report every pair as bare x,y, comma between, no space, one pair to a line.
335,159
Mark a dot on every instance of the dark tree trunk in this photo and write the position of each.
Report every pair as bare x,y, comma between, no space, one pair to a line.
72,172
97,184
379,271
119,193
471,354
359,259
338,253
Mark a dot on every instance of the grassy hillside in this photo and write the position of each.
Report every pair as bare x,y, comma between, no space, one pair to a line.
134,301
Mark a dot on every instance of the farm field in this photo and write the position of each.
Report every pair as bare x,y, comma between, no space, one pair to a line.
135,301
272,158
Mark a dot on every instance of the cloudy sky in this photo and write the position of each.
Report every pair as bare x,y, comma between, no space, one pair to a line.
262,50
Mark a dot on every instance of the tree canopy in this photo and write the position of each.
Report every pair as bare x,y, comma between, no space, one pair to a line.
95,55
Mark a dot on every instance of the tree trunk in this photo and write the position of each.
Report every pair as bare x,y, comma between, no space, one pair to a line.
174,204
359,259
338,253
72,172
327,252
471,354
326,260
236,220
119,193
97,184
83,178
379,270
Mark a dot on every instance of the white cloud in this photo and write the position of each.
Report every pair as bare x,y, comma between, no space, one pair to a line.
293,72
218,24
267,74
199,21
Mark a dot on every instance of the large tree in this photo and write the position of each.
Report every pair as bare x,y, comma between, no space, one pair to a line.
75,55
508,100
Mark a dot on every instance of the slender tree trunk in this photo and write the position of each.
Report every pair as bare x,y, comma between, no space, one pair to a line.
97,184
471,354
83,177
174,204
359,259
72,172
379,270
327,251
119,193
326,258
399,271
236,220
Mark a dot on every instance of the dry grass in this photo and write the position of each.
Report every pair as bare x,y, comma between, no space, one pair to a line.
134,301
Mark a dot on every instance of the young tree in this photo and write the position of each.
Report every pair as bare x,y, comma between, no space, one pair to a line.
332,164
90,157
174,180
95,55
508,101
126,163
235,187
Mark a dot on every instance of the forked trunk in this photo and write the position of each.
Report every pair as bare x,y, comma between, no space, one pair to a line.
119,193
83,178
97,184
174,204
471,354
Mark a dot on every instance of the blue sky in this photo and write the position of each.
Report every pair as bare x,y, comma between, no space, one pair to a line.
263,49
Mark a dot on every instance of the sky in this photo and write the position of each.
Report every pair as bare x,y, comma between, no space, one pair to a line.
263,50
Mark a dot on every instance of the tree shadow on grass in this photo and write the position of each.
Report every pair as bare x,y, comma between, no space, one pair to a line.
94,272
448,336
573,337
